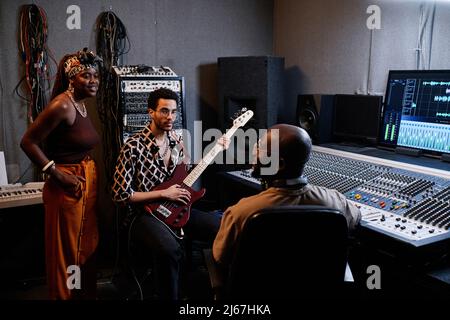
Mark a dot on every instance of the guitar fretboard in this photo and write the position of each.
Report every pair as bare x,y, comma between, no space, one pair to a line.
206,160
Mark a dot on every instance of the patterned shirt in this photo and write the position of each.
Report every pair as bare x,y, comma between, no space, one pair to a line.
140,166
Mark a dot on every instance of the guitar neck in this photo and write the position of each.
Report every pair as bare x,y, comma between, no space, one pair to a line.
206,160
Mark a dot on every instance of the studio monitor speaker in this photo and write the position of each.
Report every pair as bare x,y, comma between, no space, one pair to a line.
315,115
255,82
356,118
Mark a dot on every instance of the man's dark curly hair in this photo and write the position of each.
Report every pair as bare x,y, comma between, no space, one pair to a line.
162,93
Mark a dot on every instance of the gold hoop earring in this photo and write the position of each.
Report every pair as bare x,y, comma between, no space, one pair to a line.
70,88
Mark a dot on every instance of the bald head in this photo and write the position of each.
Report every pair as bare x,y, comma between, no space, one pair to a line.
294,149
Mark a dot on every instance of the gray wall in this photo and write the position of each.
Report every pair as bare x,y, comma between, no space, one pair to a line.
186,35
329,49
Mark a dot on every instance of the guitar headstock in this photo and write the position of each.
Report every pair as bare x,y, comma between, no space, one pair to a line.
242,118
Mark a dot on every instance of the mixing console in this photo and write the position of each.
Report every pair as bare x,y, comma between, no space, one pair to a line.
408,202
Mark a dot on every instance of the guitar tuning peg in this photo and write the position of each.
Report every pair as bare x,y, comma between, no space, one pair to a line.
240,112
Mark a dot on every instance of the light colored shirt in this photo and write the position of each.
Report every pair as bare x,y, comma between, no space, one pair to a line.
234,218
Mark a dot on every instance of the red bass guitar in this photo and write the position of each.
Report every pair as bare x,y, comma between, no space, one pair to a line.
176,214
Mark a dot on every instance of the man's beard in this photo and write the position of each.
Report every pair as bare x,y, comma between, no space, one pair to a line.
256,173
161,124
256,170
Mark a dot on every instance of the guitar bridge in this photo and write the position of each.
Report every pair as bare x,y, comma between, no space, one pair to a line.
163,211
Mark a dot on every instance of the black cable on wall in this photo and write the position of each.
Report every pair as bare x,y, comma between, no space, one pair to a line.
33,31
112,42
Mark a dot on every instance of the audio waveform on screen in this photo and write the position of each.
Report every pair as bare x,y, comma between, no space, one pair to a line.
423,135
436,83
442,98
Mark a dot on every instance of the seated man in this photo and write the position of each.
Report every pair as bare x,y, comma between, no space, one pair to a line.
286,187
148,159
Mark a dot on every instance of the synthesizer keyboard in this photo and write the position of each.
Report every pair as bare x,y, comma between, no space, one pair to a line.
17,195
407,202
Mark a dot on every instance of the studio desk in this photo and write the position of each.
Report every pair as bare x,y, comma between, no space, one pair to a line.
21,235
404,201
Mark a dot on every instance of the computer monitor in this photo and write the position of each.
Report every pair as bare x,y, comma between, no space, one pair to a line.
356,118
416,112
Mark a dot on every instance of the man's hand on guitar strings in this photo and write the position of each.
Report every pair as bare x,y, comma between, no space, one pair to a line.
224,142
177,193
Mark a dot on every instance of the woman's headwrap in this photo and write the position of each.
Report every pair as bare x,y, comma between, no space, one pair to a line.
81,61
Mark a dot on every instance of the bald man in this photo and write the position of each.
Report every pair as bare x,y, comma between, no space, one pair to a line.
291,146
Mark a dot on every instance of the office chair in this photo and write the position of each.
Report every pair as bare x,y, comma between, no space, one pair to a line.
287,252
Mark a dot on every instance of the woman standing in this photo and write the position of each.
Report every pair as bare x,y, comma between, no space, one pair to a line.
70,191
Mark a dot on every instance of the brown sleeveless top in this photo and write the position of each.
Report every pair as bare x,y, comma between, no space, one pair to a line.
70,144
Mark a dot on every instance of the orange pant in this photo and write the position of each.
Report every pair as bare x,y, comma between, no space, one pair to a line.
71,234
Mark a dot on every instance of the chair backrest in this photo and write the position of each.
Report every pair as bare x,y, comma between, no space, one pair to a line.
290,252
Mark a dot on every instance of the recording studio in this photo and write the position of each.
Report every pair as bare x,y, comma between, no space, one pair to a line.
369,81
